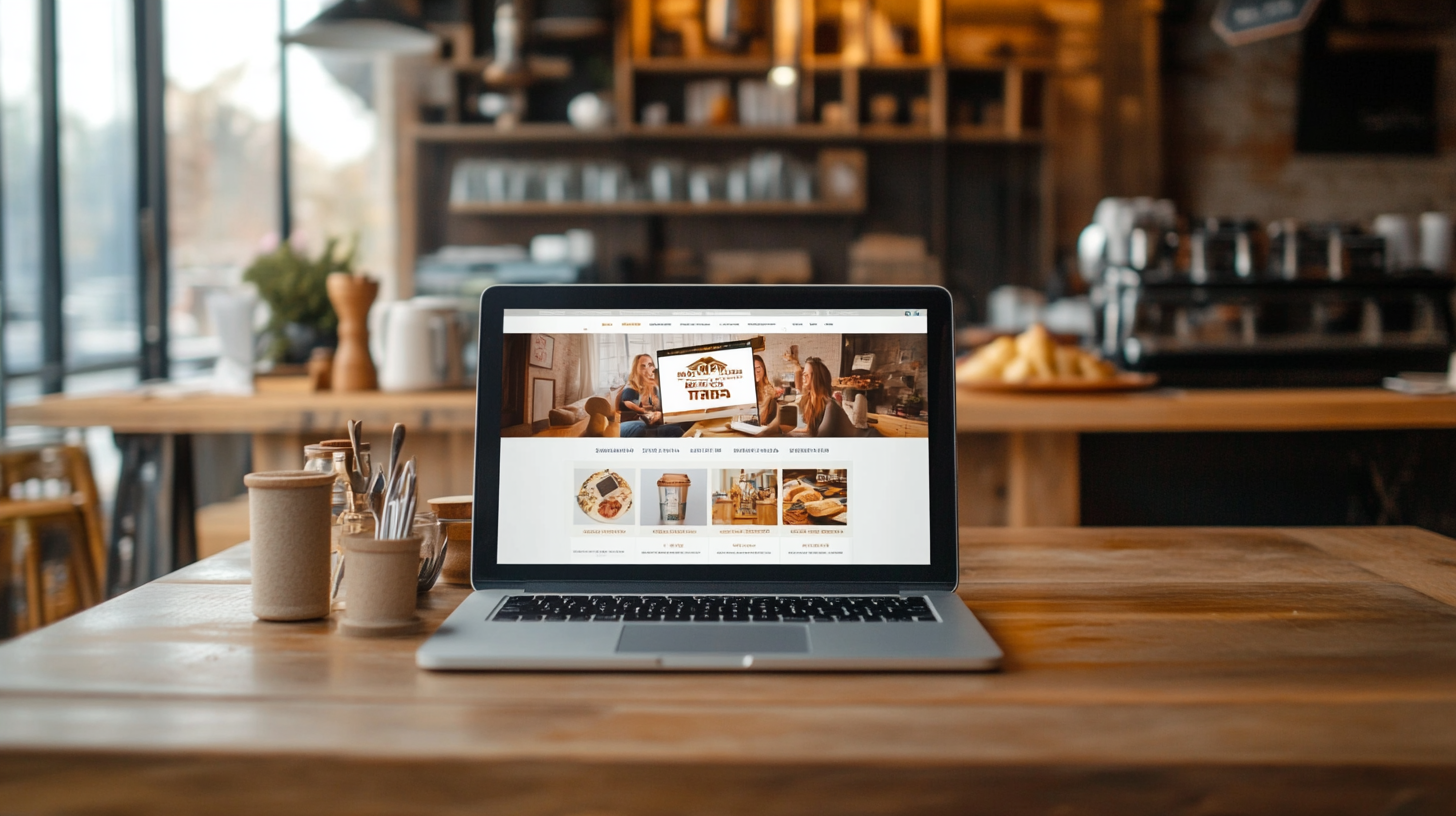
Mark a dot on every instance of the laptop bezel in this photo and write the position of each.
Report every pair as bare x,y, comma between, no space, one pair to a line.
940,574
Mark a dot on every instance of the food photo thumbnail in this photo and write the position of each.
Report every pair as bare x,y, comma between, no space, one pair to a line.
604,496
816,496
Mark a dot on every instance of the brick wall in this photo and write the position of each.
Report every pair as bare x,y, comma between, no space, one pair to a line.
1230,118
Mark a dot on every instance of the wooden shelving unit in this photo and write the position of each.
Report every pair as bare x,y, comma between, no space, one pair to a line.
982,142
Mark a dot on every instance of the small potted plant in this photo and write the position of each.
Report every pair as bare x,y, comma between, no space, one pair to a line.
914,404
292,284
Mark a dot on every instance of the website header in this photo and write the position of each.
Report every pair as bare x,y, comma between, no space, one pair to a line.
661,321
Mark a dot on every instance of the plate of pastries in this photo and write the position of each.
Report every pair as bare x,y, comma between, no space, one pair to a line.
1034,362
805,503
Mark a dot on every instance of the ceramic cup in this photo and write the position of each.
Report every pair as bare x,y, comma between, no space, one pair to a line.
383,574
289,520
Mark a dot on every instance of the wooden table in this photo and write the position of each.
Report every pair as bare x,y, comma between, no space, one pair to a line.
1153,671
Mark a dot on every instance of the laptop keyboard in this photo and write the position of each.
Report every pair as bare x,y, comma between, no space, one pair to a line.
726,608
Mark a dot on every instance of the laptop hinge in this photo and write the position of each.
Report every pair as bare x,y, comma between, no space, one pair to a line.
713,587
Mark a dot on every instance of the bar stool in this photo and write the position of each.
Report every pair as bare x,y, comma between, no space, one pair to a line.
52,549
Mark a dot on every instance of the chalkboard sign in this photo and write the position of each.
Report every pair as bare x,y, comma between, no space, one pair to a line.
1245,21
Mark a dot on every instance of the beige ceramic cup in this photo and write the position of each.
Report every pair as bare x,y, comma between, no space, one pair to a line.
288,520
383,575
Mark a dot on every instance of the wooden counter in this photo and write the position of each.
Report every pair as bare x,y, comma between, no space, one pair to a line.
1039,460
290,411
1148,671
280,410
1036,463
1168,409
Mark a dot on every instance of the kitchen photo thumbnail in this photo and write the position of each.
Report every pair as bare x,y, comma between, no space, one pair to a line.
745,496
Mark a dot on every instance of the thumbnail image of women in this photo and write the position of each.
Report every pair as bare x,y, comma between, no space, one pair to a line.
768,394
642,403
822,414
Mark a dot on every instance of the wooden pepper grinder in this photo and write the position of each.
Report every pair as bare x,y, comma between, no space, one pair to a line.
352,295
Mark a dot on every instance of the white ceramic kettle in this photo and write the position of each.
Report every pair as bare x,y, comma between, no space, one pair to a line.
419,341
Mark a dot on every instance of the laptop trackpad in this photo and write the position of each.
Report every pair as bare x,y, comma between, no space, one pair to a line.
737,638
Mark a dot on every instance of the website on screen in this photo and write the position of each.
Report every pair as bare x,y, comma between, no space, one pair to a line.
714,437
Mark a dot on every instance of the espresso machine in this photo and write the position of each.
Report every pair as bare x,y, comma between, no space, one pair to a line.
1231,303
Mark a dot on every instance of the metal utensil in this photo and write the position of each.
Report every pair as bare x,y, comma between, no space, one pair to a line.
376,494
356,430
399,503
430,567
396,443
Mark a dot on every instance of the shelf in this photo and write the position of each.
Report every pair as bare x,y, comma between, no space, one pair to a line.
907,66
998,66
738,133
897,133
985,135
547,132
703,65
527,132
639,208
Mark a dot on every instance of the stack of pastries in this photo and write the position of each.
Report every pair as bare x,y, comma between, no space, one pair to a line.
1032,357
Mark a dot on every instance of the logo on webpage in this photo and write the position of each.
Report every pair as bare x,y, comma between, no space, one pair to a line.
707,379
706,367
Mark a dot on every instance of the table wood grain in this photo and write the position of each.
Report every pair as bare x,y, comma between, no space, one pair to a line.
1148,671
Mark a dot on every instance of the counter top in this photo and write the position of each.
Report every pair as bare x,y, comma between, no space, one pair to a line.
1169,409
276,409
294,411
1244,670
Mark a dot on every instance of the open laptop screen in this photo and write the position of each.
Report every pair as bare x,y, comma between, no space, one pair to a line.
745,437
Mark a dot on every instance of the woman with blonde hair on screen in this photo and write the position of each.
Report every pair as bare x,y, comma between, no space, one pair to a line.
823,416
641,402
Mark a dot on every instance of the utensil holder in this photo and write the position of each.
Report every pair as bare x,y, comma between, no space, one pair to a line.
382,577
288,520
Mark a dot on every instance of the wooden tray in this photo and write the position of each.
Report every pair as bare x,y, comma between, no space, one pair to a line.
1125,381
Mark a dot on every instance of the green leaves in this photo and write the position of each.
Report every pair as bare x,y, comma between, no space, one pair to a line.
293,287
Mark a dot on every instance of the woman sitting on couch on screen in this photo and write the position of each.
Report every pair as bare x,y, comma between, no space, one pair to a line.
642,403
823,416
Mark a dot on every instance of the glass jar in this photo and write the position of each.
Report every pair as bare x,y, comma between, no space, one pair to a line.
320,459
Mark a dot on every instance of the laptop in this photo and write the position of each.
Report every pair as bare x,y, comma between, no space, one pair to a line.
622,523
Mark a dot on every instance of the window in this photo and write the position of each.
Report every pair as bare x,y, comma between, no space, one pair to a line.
341,176
225,183
222,104
98,191
20,207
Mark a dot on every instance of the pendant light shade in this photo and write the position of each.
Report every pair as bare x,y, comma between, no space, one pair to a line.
378,26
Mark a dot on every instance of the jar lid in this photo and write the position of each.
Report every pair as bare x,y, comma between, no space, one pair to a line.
454,508
674,479
288,479
326,448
